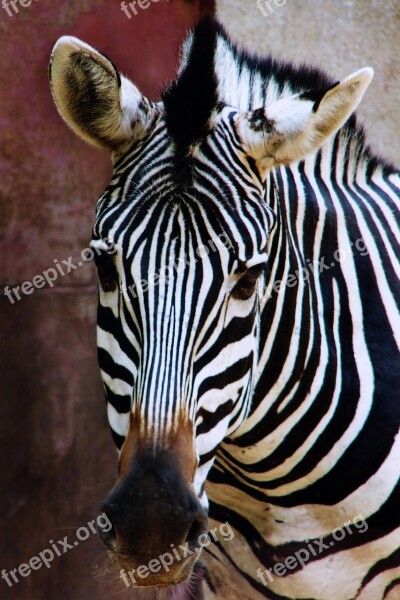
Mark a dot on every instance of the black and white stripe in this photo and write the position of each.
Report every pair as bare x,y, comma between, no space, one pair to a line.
294,390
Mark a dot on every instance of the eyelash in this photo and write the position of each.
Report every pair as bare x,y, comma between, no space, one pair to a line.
107,272
246,285
108,277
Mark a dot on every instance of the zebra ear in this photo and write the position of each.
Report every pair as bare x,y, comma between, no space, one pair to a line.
100,105
291,128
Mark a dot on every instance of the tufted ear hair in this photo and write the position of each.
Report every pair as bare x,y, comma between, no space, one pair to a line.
289,129
100,105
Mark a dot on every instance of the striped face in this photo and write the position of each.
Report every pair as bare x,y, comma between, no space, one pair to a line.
180,295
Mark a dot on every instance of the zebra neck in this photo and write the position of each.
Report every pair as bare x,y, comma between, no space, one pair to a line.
312,350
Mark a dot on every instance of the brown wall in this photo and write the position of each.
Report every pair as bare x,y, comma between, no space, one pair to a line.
57,459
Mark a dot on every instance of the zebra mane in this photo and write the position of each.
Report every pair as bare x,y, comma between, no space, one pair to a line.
214,71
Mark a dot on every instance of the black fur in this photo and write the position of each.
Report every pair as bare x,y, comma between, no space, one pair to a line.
317,95
259,122
190,100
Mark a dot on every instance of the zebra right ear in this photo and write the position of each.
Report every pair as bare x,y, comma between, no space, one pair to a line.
292,127
100,105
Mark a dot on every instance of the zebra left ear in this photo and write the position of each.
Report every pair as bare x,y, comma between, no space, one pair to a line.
291,128
102,106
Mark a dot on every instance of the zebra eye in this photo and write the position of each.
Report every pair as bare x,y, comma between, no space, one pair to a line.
246,285
107,272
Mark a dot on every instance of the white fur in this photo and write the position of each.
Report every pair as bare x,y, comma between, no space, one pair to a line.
119,124
296,130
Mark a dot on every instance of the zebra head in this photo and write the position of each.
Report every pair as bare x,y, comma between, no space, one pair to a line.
182,243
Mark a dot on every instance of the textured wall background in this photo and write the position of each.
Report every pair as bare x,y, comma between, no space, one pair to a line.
57,458
56,455
340,36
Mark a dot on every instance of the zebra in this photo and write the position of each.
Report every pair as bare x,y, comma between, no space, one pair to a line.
248,329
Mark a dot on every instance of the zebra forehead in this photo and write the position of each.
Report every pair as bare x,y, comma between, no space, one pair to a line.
188,229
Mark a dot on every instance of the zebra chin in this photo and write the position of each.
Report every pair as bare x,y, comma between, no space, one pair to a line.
189,589
170,575
179,582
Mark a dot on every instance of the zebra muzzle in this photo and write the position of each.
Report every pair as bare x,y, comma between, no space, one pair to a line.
157,520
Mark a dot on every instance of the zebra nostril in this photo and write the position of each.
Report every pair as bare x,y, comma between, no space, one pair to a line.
106,528
107,535
197,528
